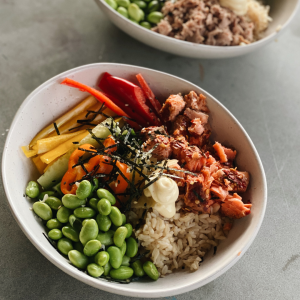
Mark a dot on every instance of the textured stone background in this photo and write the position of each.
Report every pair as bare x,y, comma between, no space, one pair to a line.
39,39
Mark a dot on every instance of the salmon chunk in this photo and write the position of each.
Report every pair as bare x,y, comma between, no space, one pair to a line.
192,114
234,208
160,144
225,154
196,102
173,106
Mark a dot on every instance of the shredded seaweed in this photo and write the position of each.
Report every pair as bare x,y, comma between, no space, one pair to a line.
56,128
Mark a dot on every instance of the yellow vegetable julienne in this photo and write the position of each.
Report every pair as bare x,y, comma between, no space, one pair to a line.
27,152
62,149
39,164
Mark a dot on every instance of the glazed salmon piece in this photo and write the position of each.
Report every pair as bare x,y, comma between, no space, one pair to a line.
152,131
196,102
162,146
234,208
192,114
180,125
196,127
225,154
219,191
173,106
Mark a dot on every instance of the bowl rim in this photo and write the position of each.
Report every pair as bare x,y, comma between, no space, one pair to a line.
228,49
107,286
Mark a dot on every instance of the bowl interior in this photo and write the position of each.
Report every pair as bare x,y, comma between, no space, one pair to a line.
50,100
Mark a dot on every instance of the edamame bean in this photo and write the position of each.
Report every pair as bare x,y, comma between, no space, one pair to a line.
103,222
53,224
91,247
146,24
142,15
122,11
116,216
155,17
132,247
134,21
42,210
32,189
120,235
49,193
78,259
138,268
123,248
93,203
72,201
75,223
78,246
103,193
95,270
115,256
112,3
153,6
141,4
134,12
55,234
106,238
57,189
95,184
104,207
129,230
84,221
84,212
84,189
64,245
150,270
125,261
123,219
123,3
53,202
89,231
107,269
102,258
70,233
121,273
63,214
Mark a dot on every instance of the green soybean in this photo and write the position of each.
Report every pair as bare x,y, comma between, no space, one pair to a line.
84,221
116,216
122,11
153,6
115,256
55,234
146,25
64,245
91,247
95,184
120,235
53,202
84,212
104,207
53,224
132,247
123,248
72,201
89,231
84,189
70,233
103,193
32,189
75,223
121,273
125,261
123,219
78,246
63,214
107,269
150,270
134,21
57,189
123,3
138,268
95,270
42,210
129,230
155,17
141,4
93,203
106,238
142,15
104,222
112,3
49,193
102,258
134,12
78,259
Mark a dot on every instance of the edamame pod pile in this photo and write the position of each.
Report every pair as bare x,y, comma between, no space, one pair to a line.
92,232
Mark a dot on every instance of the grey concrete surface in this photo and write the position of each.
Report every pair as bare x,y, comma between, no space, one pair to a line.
39,39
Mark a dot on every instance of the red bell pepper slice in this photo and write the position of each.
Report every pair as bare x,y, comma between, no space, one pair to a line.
148,93
133,95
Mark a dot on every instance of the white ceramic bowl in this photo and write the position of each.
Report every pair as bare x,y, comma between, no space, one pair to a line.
52,99
282,12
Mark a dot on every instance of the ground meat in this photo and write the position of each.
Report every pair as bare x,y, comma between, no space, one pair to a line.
172,108
204,22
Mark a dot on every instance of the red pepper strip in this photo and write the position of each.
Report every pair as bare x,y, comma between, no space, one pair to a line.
134,96
148,92
109,92
100,97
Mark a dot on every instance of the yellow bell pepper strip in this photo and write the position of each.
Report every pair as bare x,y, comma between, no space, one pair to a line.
27,152
39,164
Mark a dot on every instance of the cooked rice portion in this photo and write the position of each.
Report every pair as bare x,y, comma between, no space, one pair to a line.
181,241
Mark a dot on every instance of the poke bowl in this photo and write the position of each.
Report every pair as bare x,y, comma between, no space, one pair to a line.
51,100
279,15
